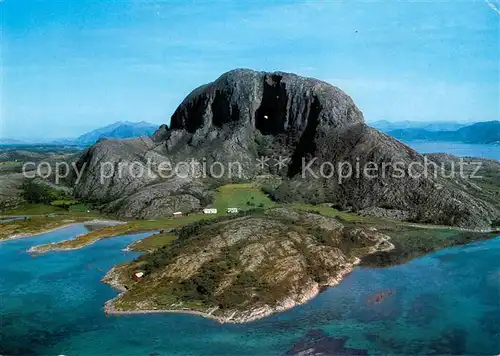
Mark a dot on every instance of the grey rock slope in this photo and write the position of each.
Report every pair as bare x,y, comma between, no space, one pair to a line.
246,114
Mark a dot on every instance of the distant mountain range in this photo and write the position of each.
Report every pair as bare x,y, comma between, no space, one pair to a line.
387,126
481,132
118,130
8,141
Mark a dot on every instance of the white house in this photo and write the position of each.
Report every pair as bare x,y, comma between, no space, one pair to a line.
177,214
232,210
209,211
138,275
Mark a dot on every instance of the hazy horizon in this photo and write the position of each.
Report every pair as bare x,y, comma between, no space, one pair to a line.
69,68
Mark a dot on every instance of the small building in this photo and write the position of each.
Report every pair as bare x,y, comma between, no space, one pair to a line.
232,210
138,275
209,211
177,214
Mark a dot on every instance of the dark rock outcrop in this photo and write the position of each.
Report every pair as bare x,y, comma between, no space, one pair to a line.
246,114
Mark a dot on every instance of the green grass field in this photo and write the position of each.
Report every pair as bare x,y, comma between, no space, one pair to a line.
244,196
35,209
81,207
153,242
328,211
56,207
11,163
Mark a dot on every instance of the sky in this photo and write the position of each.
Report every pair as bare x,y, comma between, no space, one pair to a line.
71,66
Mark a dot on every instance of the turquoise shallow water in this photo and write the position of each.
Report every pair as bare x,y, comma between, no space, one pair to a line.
444,303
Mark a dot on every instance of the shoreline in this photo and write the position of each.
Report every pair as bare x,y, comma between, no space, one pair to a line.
104,223
112,279
26,235
69,223
110,310
246,316
449,227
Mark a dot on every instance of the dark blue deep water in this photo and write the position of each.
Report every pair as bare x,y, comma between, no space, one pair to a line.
444,303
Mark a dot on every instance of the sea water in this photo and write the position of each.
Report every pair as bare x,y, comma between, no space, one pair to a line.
444,303
459,149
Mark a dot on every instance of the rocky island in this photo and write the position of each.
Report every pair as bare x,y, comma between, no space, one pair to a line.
244,268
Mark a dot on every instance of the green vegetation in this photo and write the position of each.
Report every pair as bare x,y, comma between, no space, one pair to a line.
34,209
55,207
193,228
34,153
154,242
328,211
37,224
203,287
195,292
47,209
35,193
43,199
411,243
219,265
79,207
130,227
244,196
248,198
10,166
64,203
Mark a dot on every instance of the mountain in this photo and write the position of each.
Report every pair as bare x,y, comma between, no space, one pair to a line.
246,115
387,126
119,129
7,141
481,132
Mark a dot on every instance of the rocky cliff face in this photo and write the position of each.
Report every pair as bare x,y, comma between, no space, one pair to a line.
246,114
